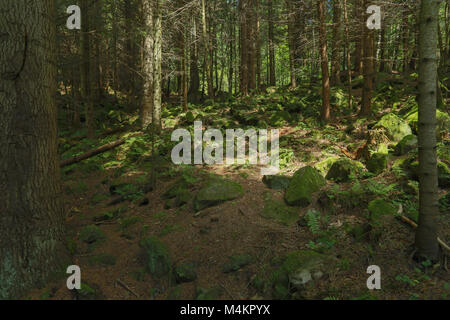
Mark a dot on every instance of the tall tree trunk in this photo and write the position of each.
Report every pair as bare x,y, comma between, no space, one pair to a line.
86,66
324,59
426,236
292,42
368,70
157,93
194,72
148,65
359,18
337,44
208,50
31,211
349,62
272,80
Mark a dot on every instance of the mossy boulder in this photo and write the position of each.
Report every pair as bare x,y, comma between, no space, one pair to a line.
395,127
443,175
380,207
325,165
304,183
92,234
442,119
280,212
155,256
297,269
377,163
185,273
179,187
342,169
277,182
216,191
237,262
405,145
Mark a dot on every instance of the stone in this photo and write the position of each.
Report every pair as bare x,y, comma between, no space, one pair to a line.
237,262
342,170
277,182
156,256
395,127
380,207
304,183
405,145
377,163
185,273
280,212
216,191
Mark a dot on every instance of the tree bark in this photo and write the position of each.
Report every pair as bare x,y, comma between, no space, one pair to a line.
148,63
31,211
324,58
426,235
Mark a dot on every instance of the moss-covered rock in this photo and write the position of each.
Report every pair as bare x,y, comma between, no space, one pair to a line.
443,175
343,169
185,273
280,212
405,145
377,163
237,262
216,191
442,118
156,257
380,207
304,183
296,270
92,234
325,165
277,182
395,127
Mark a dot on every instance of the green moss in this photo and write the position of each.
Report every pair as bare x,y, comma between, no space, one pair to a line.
395,127
342,170
185,273
377,163
304,183
156,257
279,212
216,191
380,207
236,262
91,234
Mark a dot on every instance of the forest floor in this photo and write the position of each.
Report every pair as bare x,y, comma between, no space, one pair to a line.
132,241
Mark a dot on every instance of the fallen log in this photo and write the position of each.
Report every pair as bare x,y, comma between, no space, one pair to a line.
99,150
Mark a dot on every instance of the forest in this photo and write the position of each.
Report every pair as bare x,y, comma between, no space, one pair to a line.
224,149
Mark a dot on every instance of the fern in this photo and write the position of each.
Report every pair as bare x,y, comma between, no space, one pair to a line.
313,220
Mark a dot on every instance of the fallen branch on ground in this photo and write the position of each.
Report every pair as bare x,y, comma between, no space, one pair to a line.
97,151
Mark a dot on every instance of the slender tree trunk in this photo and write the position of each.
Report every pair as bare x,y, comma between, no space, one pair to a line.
324,59
368,70
426,236
206,42
194,72
31,211
291,39
148,65
349,62
86,66
157,93
337,44
272,80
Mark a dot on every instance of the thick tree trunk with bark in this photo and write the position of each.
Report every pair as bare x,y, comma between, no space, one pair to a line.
31,211
426,242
